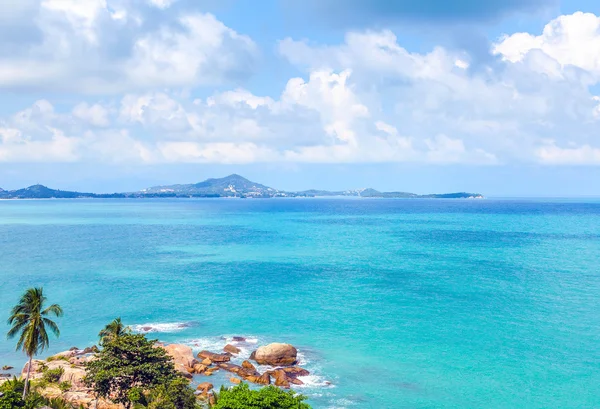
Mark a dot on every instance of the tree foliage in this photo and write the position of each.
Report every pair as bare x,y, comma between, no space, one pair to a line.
30,320
174,395
128,362
113,330
270,397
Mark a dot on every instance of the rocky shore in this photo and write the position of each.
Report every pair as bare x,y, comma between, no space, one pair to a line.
279,362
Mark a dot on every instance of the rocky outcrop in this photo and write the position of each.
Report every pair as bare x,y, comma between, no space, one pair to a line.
216,358
276,354
231,349
183,358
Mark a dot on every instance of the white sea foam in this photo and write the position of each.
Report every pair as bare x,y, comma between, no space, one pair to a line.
162,327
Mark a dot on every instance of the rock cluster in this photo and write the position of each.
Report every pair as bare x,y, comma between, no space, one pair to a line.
283,357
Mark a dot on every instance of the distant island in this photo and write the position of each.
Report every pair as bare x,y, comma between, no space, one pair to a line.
230,186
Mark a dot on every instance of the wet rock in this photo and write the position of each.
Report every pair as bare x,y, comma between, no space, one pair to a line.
205,387
211,371
264,379
280,378
7,368
295,381
235,380
253,356
230,367
199,368
276,354
218,358
90,350
231,349
239,339
206,362
248,365
4,375
295,371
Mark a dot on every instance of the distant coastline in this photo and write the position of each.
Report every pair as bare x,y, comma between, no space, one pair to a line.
232,186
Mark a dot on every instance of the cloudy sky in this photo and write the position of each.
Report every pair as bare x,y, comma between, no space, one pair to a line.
500,97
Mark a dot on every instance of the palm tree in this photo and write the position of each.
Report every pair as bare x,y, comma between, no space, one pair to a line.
113,330
30,319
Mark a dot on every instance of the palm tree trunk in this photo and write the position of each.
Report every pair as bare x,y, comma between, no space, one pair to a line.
27,378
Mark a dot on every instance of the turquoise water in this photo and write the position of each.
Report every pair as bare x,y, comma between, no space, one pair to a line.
392,303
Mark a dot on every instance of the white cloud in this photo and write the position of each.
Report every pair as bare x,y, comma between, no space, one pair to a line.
569,40
162,4
366,100
96,114
95,47
202,50
552,154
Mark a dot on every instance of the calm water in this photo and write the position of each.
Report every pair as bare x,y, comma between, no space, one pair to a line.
396,303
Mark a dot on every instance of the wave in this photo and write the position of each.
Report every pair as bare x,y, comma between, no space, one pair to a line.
162,327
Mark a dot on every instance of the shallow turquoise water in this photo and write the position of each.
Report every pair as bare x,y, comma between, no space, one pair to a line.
396,303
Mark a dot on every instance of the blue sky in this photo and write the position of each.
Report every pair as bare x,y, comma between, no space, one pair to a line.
498,97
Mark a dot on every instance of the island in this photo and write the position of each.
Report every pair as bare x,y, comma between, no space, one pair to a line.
230,186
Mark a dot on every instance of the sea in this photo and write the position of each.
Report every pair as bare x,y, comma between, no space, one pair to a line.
399,303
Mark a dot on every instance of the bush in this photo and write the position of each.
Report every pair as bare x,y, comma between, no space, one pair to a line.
13,385
53,375
11,400
270,397
174,395
64,386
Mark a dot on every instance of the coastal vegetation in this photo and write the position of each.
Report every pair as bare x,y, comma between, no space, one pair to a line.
29,319
133,372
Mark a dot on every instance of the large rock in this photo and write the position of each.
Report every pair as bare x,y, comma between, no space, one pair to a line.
295,371
231,349
216,358
182,356
276,354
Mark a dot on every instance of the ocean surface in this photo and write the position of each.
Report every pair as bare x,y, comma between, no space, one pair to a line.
391,303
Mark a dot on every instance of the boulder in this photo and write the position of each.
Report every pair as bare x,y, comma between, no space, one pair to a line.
295,371
235,380
218,358
199,368
280,378
182,355
210,371
7,368
231,349
276,354
264,379
239,339
230,367
205,387
248,365
295,381
206,362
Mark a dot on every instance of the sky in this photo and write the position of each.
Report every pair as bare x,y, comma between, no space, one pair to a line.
500,97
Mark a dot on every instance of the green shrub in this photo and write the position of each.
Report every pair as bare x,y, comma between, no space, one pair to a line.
11,400
174,395
270,397
34,400
53,375
57,357
13,385
64,386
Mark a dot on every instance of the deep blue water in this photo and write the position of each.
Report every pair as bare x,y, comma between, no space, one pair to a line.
395,303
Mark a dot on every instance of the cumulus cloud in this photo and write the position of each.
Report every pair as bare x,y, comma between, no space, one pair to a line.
567,42
99,48
365,100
